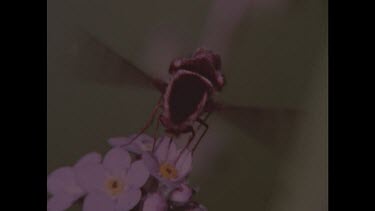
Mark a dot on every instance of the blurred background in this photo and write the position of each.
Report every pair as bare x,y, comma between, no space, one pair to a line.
274,54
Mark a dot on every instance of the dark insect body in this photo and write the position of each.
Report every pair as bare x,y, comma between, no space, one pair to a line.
189,94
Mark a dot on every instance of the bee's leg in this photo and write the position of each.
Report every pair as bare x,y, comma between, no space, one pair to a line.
148,123
155,134
191,129
203,123
204,120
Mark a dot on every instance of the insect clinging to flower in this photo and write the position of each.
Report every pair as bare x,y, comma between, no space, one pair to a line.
188,96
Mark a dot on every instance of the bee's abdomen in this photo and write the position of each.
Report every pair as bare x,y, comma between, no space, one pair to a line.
186,94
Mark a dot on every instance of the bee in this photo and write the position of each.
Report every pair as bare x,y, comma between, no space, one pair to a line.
188,97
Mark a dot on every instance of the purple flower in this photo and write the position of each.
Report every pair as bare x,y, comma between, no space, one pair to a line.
182,194
62,184
169,165
143,143
155,202
113,185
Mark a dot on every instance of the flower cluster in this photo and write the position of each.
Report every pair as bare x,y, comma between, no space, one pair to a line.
131,176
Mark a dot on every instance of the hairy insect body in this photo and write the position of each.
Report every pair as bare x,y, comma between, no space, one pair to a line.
189,93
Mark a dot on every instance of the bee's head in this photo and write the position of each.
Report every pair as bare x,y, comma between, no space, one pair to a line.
203,62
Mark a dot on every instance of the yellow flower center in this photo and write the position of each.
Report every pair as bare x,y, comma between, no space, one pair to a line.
168,171
114,186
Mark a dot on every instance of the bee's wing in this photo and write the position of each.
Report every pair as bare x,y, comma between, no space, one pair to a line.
268,125
93,60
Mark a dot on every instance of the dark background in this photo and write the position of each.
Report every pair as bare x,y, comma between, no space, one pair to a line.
274,55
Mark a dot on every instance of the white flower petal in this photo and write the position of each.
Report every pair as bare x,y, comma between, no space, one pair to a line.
184,163
63,181
182,194
137,174
162,149
118,141
59,202
128,199
143,143
98,201
90,158
92,177
117,161
155,202
172,153
151,163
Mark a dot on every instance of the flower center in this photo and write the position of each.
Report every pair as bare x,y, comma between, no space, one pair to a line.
114,186
168,171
